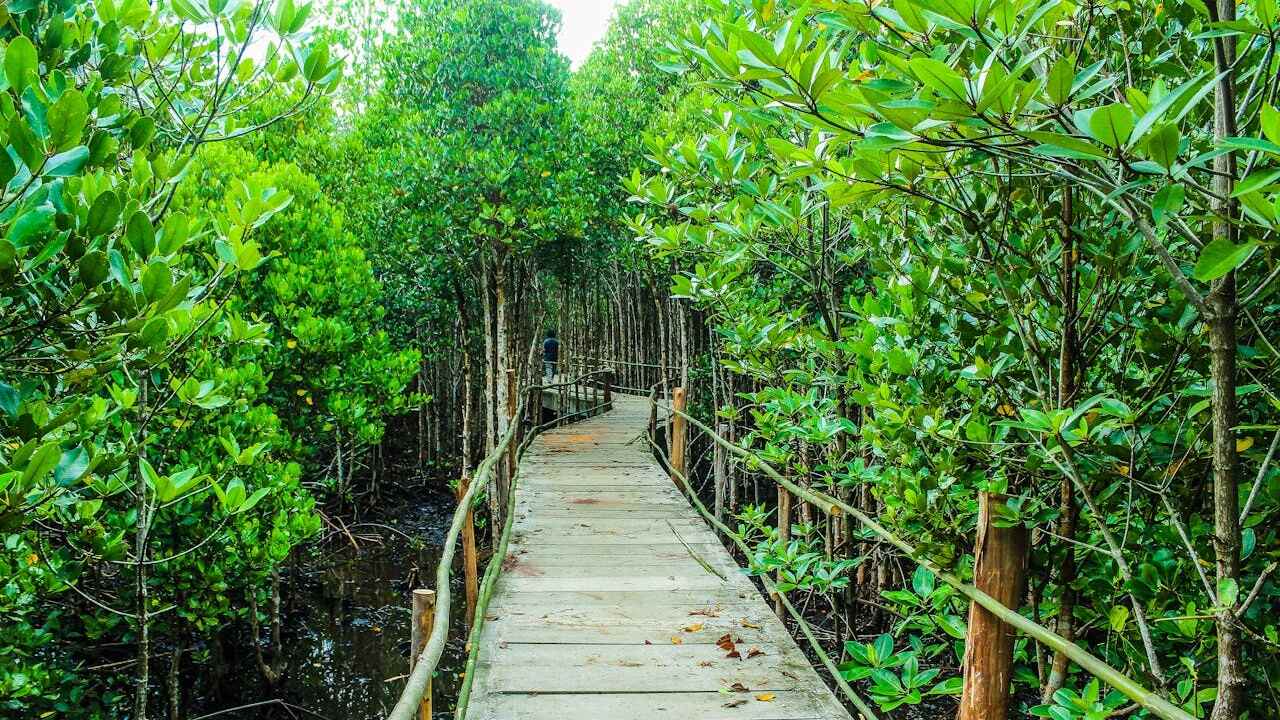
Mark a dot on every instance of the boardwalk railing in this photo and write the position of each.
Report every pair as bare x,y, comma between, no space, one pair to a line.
594,384
1148,699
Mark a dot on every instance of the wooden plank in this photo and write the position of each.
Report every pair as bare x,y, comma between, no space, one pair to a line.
660,667
785,705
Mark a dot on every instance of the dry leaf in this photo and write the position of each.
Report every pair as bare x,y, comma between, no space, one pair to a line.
754,651
766,697
695,627
706,612
734,654
735,703
725,642
677,640
748,624
739,687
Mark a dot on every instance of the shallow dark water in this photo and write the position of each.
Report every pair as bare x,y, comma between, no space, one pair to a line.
346,627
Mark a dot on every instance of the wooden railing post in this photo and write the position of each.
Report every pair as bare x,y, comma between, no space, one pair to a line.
678,434
470,559
424,607
718,470
784,536
608,389
998,568
512,406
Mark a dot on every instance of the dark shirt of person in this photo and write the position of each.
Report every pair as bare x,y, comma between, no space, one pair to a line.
551,350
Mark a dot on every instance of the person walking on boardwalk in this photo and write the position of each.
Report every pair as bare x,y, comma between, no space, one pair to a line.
550,354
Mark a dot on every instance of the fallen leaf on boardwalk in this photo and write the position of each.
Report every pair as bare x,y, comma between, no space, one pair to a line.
725,642
739,687
695,627
754,651
706,612
748,624
648,642
677,640
766,697
706,663
735,703
734,654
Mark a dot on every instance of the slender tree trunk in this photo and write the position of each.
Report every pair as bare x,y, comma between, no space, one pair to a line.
1068,360
1222,346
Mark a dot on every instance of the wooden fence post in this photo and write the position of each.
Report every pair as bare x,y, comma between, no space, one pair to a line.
999,566
512,406
678,434
718,469
470,560
424,607
784,534
608,389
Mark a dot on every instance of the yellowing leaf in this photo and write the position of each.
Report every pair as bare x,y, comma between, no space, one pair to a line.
291,344
766,697
1243,444
677,640
695,627
1006,410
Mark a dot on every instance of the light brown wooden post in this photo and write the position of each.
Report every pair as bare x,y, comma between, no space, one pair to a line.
608,390
999,567
784,534
512,405
424,608
678,434
718,469
470,561
653,415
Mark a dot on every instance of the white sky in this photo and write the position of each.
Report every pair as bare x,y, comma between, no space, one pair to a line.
584,22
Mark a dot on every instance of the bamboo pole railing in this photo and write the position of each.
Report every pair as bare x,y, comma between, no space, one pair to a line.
406,707
1090,663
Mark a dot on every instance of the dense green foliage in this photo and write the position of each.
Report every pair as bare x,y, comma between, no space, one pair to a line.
932,250
184,331
1002,246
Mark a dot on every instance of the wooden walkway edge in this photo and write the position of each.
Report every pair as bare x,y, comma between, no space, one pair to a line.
615,598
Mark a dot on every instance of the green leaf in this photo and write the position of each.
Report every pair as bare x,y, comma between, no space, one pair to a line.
1070,145
1271,123
940,78
1111,125
1256,180
30,226
93,268
1061,76
67,163
42,462
10,400
140,234
1164,144
1167,203
103,214
66,119
20,62
899,361
1117,618
1221,257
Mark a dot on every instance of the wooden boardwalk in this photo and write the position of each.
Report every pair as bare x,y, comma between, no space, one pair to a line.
615,598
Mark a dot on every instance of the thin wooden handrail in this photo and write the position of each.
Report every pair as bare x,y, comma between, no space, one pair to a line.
1135,691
